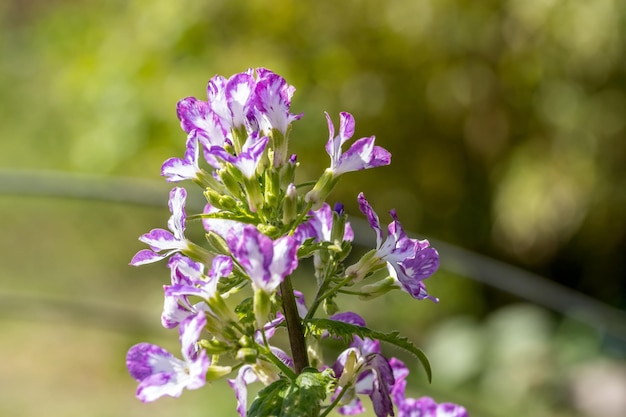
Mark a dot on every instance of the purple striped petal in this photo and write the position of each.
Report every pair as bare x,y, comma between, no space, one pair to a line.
146,256
372,218
238,92
272,98
245,377
193,113
361,155
349,317
267,262
176,169
176,222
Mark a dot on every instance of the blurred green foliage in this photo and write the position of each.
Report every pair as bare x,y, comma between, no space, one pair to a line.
506,122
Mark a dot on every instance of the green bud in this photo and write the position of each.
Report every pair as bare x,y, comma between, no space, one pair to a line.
330,307
287,172
245,341
248,355
378,288
262,307
280,145
290,205
229,175
220,201
214,346
254,194
216,372
268,230
217,244
339,227
272,188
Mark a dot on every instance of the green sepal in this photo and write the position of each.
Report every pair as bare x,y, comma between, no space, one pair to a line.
262,307
346,331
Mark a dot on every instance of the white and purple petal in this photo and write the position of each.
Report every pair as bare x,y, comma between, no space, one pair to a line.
176,169
361,155
176,222
245,377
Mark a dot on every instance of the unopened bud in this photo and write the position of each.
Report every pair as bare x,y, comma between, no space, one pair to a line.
247,355
290,204
216,372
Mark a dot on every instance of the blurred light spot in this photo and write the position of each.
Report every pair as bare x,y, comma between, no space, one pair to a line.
409,18
599,389
519,347
455,350
541,200
561,104
364,93
486,131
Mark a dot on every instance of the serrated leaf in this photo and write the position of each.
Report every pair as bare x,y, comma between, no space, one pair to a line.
346,331
269,401
302,397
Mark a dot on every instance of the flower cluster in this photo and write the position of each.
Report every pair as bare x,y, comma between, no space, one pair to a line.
229,295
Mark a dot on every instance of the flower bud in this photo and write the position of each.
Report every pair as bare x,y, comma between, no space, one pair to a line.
254,195
287,172
216,372
247,355
290,204
377,289
272,187
262,306
330,306
214,346
217,244
339,224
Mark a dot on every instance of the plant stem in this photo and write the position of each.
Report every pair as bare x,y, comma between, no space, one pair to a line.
334,403
294,327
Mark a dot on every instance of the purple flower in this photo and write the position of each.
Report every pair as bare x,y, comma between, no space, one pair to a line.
272,99
266,261
248,159
411,260
177,308
188,279
197,117
162,242
320,225
361,155
420,407
160,373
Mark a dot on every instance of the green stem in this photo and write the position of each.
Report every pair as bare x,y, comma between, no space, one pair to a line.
276,361
334,403
294,327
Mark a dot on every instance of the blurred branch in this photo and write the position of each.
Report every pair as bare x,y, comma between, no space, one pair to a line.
480,268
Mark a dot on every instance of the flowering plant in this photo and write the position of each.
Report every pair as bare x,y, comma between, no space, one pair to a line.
259,225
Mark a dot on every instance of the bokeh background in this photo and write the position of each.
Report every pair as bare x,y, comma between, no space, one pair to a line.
506,121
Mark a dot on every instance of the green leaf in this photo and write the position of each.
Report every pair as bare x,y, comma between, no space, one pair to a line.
302,397
346,332
269,401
